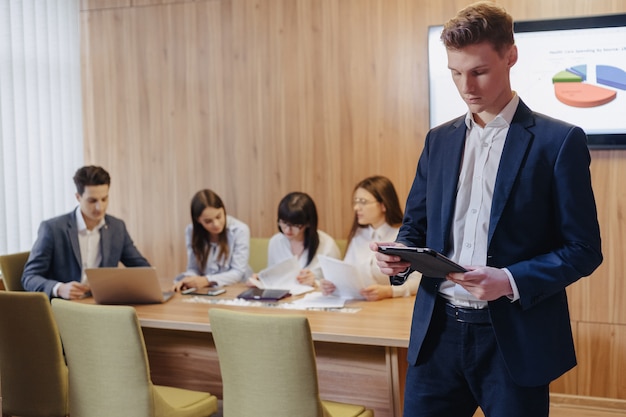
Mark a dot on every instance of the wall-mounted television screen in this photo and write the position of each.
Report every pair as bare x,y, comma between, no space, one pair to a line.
572,69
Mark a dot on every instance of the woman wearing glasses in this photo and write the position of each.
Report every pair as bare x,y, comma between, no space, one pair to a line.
299,237
218,245
377,218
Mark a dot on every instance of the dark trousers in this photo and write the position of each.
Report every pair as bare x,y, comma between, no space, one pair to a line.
461,368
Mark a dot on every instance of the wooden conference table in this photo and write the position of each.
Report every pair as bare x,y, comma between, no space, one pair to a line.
361,355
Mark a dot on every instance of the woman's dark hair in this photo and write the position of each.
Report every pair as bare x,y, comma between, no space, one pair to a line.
200,237
384,192
299,209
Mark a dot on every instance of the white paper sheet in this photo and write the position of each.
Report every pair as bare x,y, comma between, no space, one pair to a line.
347,279
318,300
283,275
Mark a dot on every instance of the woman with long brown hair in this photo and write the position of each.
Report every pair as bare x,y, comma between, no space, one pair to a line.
218,245
377,218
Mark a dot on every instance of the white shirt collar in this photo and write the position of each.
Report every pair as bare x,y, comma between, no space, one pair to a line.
382,230
505,115
80,221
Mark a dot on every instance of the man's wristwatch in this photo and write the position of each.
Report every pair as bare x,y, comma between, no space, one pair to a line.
400,278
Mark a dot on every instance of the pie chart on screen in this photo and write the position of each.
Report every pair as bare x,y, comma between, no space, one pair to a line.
573,87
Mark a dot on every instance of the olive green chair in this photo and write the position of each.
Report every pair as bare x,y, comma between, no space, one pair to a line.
268,367
109,374
343,246
33,375
12,267
258,253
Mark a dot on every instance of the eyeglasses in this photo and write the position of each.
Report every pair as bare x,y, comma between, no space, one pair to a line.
284,225
362,202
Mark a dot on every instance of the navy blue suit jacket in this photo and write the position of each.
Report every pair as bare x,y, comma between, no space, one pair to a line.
55,256
543,228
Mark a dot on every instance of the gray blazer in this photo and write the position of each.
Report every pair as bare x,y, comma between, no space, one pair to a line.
55,256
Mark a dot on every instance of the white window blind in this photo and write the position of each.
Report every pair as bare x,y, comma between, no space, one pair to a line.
41,142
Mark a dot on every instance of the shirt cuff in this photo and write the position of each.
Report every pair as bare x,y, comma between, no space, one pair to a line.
515,295
55,290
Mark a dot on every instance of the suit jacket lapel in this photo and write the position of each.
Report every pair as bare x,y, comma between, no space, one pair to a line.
72,234
450,175
105,243
515,149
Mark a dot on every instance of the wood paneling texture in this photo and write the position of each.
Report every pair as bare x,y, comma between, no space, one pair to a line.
258,98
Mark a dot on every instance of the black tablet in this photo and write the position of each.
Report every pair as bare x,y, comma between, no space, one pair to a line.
257,294
209,291
427,261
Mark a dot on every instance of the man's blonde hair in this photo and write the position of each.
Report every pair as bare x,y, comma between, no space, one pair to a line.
479,22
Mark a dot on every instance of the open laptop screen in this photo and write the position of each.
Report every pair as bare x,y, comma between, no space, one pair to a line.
137,285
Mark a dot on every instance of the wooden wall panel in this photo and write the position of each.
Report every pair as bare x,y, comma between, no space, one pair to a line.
602,360
600,298
256,98
252,101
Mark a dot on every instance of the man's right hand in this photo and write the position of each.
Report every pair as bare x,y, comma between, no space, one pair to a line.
72,290
389,264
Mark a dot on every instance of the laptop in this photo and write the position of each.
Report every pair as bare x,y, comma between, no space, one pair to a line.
137,285
258,294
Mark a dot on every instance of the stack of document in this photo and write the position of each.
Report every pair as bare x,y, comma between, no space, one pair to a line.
348,280
282,276
319,300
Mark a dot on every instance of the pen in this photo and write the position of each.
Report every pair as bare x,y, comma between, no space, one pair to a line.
188,291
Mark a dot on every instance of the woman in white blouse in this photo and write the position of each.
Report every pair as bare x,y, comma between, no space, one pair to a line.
300,237
218,245
377,218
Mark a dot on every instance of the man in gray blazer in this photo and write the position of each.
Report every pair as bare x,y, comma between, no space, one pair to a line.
84,238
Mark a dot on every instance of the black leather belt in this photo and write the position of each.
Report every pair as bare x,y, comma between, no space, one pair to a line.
468,315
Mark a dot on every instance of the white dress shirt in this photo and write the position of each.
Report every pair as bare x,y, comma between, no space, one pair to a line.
481,160
89,244
227,271
279,249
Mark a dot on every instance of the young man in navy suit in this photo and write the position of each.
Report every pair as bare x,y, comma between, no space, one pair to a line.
505,192
85,238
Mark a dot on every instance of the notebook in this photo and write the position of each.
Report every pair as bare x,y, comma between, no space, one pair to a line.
137,285
258,294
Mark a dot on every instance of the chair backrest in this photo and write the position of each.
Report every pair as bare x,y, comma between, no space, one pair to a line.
343,246
258,253
12,267
108,366
34,378
267,364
